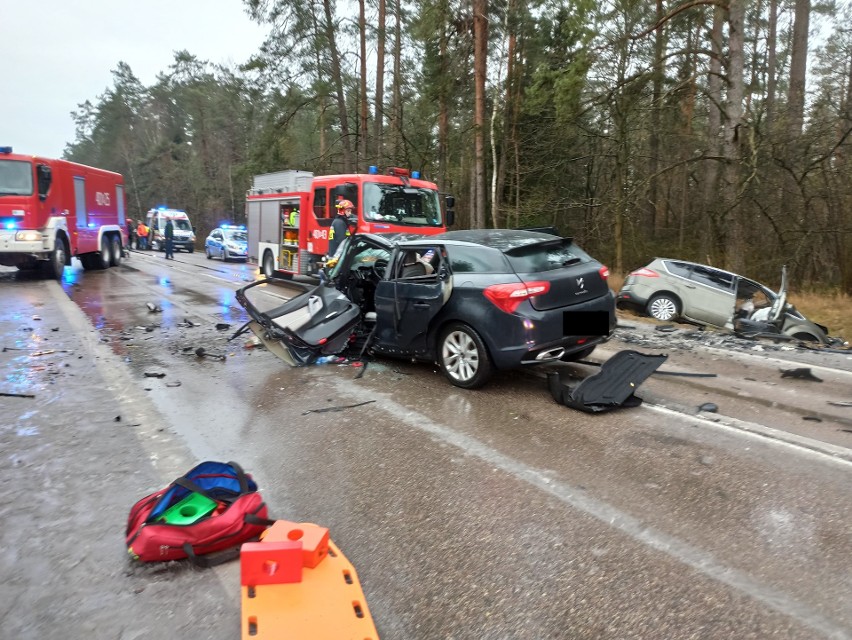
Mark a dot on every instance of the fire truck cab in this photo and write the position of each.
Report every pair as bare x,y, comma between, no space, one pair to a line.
289,213
52,210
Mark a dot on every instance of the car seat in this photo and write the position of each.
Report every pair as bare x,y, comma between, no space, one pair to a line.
414,266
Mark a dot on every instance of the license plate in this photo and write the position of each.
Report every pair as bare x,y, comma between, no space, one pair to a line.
585,323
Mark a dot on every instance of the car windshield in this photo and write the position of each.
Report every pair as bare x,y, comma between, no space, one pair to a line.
546,256
183,225
401,205
237,235
16,178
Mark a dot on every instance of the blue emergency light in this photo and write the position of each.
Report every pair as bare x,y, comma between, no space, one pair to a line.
10,225
415,175
5,150
372,170
233,226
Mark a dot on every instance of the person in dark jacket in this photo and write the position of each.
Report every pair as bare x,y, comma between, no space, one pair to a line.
339,226
169,234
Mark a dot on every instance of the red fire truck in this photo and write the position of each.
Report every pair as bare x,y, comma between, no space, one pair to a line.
289,213
51,210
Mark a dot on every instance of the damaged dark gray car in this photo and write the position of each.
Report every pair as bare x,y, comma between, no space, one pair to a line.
473,301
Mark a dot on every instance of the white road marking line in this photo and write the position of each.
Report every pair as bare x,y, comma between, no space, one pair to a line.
694,557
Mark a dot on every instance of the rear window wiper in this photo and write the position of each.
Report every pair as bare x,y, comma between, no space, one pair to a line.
571,261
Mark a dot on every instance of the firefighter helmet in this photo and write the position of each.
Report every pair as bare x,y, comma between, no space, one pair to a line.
344,204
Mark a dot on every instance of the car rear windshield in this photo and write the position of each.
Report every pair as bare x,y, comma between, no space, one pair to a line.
547,256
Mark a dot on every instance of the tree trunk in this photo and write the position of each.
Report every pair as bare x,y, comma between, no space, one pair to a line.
798,70
480,44
379,106
362,133
714,135
397,86
657,213
443,107
496,166
771,63
337,80
731,141
508,115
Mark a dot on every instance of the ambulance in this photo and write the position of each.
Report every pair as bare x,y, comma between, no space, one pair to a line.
184,239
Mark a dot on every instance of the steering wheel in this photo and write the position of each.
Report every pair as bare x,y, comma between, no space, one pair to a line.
379,267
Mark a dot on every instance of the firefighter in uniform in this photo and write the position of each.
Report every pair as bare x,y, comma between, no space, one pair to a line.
339,226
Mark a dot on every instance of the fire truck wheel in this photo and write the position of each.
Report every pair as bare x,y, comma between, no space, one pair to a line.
115,252
268,264
56,264
103,260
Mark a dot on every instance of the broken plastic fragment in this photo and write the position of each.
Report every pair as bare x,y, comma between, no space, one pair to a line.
613,386
201,352
802,373
153,308
709,407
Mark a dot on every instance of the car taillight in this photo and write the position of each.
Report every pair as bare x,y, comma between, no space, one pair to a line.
604,271
644,272
507,297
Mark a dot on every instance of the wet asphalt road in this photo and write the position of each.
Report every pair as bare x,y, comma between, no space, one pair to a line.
487,514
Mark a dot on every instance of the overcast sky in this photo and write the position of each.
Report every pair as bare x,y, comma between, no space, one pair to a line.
56,54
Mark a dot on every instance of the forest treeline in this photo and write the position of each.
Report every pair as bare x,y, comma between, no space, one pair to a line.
710,130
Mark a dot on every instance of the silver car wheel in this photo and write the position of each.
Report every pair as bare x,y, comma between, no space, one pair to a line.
662,308
460,356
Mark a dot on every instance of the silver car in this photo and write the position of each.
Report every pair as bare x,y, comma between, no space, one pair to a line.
668,289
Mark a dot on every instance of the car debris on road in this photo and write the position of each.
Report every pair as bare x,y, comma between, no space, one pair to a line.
613,386
801,373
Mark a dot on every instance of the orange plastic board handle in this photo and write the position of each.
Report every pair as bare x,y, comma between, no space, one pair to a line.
328,604
314,539
270,562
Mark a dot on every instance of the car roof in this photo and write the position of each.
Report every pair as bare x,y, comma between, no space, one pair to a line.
504,240
699,264
501,239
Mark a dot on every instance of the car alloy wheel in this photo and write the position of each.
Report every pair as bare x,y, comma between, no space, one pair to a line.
662,308
463,357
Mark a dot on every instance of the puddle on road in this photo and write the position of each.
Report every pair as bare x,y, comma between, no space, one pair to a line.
124,318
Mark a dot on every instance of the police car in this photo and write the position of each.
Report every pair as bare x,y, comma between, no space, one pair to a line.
228,241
